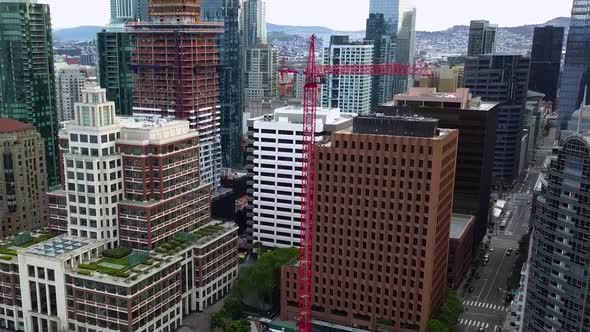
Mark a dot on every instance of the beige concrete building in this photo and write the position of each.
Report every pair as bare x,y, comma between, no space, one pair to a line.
444,79
23,178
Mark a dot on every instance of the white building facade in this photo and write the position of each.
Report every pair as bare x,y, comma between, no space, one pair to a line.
92,167
70,81
274,156
349,93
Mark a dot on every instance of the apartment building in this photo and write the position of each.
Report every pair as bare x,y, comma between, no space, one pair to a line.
274,168
349,93
382,221
70,81
23,180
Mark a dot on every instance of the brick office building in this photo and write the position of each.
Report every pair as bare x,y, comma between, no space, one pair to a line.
384,203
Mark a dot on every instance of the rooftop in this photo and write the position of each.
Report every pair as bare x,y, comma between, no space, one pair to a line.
293,114
459,223
13,126
9,246
430,97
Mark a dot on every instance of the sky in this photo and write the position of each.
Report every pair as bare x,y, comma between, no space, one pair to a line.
351,14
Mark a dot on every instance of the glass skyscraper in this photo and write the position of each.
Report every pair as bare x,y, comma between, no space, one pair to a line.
400,16
231,77
27,79
576,70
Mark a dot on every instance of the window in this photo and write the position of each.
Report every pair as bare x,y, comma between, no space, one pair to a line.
74,137
85,116
93,139
84,138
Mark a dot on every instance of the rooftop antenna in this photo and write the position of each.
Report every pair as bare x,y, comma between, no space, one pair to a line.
582,104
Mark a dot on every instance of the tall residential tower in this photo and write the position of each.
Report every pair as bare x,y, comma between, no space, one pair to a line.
254,22
27,79
176,62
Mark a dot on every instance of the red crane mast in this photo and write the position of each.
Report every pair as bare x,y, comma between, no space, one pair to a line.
314,74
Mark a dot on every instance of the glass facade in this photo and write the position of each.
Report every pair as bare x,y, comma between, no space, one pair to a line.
27,79
576,70
400,16
558,288
231,77
114,60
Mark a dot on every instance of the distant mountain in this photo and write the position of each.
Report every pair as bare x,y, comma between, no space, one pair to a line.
559,22
81,33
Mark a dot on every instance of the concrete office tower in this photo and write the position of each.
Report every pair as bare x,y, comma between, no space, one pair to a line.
558,270
92,167
502,79
576,68
400,16
350,93
163,193
383,210
546,61
275,149
482,38
26,73
129,10
379,32
261,65
23,178
254,22
70,82
476,122
231,78
175,59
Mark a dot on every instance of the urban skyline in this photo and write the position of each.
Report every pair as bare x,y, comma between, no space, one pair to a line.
184,173
352,17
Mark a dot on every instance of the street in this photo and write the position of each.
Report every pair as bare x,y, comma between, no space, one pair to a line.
485,306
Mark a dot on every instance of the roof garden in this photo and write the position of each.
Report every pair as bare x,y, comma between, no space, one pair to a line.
10,245
127,265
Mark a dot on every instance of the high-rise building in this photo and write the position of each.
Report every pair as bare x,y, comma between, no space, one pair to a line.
576,68
254,22
113,46
23,178
138,176
178,202
558,269
379,32
261,65
482,38
175,60
27,77
383,210
231,78
350,93
92,168
476,122
275,149
129,10
400,16
70,81
502,79
546,61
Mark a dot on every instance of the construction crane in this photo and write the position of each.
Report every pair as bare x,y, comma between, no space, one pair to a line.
314,76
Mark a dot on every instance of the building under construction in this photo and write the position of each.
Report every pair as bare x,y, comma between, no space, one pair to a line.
175,61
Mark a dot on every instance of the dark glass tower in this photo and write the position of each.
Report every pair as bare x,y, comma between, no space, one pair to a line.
558,287
379,32
576,70
27,80
400,16
546,61
114,60
502,79
231,85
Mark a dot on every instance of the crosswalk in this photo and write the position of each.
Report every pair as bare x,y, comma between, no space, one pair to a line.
469,322
484,305
505,242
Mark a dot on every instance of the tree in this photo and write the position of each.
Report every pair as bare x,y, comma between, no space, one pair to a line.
238,326
435,325
259,284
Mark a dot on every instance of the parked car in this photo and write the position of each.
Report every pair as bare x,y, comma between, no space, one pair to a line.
484,263
470,290
517,252
491,249
509,252
477,275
